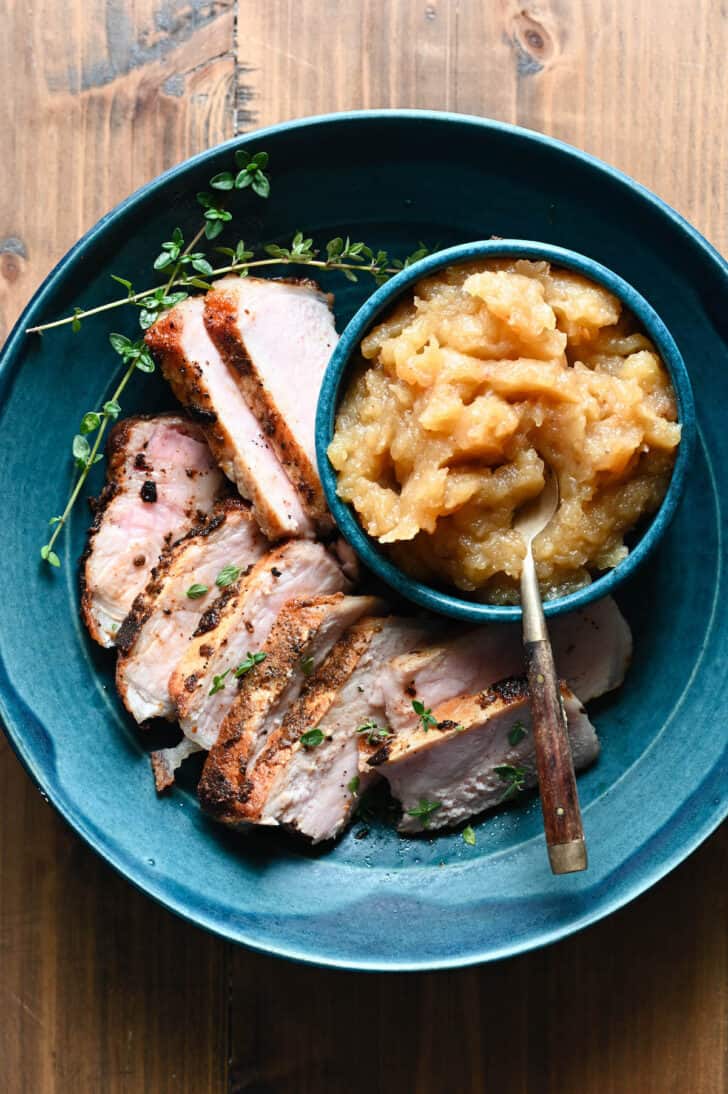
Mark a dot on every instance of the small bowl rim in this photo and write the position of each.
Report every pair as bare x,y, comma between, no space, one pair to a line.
370,553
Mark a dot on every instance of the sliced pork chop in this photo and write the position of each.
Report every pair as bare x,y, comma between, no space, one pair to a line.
479,756
592,650
165,762
205,385
312,789
300,640
278,337
153,637
161,480
203,686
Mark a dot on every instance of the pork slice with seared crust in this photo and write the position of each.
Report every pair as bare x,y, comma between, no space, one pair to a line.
203,686
592,649
161,480
300,640
204,384
153,637
479,755
310,789
278,337
317,698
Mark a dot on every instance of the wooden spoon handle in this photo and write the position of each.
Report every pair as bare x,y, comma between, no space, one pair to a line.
557,782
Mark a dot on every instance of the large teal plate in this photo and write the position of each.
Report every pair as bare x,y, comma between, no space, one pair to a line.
379,902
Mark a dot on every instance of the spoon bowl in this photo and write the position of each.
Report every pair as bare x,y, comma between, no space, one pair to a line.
536,515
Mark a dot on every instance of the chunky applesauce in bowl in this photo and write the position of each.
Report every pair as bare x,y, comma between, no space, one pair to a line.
476,376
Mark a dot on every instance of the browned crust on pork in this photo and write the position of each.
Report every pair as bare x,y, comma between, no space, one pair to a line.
306,283
143,605
164,339
163,775
222,325
224,611
459,715
116,453
508,690
243,801
223,775
211,619
182,685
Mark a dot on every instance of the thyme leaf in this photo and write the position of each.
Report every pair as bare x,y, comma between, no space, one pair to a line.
373,732
423,811
514,777
469,836
424,714
249,662
312,738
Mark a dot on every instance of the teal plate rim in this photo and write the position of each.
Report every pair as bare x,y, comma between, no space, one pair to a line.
688,830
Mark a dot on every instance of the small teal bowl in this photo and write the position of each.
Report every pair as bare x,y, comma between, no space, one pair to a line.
337,374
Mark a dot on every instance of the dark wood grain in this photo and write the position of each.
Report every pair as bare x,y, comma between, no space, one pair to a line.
102,990
635,1005
556,778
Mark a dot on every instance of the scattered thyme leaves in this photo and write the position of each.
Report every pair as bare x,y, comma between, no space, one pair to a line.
353,785
312,738
373,732
307,666
196,591
227,575
423,811
516,733
424,714
469,836
218,682
249,662
514,777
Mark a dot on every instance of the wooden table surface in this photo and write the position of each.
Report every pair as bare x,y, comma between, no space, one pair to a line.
100,989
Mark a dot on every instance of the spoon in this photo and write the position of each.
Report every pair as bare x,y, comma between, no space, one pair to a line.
554,762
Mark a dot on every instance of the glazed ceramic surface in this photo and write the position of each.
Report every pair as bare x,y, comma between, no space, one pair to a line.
377,902
347,355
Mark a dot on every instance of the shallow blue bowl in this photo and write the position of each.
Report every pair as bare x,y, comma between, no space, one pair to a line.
346,354
381,902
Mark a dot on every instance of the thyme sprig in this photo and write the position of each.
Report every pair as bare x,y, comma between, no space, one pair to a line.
185,269
135,355
351,259
185,264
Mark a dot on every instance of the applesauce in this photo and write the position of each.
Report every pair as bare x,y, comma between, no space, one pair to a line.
466,388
